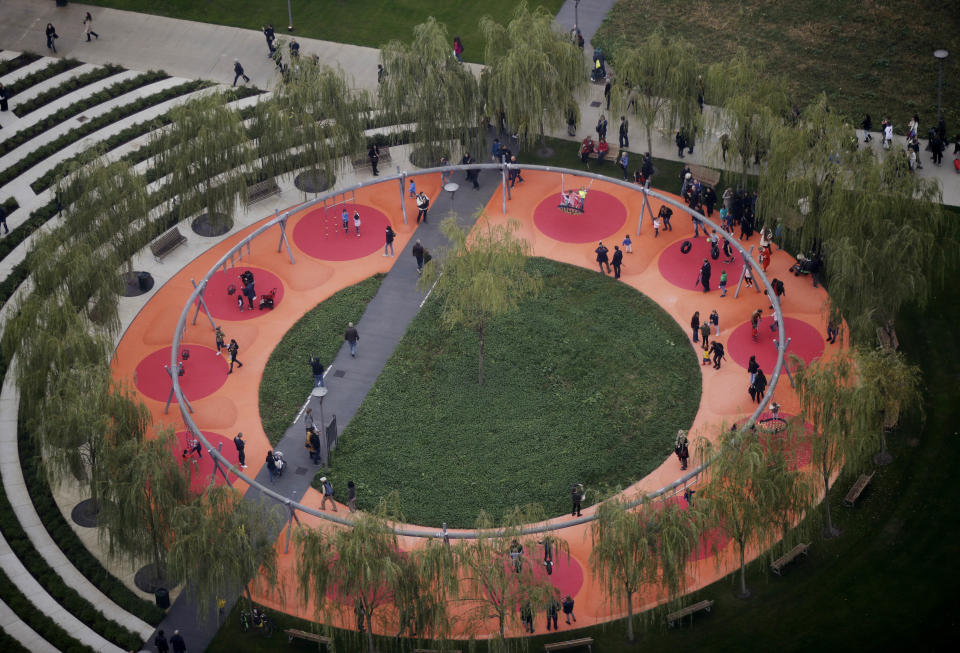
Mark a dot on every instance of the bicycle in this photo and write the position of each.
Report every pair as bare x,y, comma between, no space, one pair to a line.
256,619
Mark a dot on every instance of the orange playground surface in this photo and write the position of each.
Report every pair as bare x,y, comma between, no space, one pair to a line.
224,403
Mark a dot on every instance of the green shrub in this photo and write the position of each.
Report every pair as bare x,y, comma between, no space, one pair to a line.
66,87
41,623
52,70
19,61
10,645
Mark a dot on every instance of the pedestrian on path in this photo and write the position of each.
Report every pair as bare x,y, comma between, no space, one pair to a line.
238,72
413,189
553,608
568,609
233,348
705,275
160,641
705,335
351,336
314,446
682,450
423,204
356,222
715,321
577,492
389,236
678,139
220,339
317,368
374,155
308,420
418,254
3,220
352,496
752,367
723,283
473,175
717,350
327,494
624,132
3,98
269,34
627,244
294,49
88,27
602,259
272,465
617,261
606,92
52,37
179,646
695,326
241,454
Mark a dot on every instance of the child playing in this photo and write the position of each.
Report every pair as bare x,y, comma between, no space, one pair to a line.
723,283
656,226
748,276
346,221
356,222
413,188
218,333
627,244
715,321
706,357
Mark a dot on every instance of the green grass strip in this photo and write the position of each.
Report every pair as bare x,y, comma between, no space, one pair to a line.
38,621
68,86
588,382
8,66
51,70
287,379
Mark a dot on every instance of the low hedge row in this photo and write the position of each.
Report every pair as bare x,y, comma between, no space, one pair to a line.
111,92
66,87
10,205
41,623
10,645
51,70
19,61
48,578
101,121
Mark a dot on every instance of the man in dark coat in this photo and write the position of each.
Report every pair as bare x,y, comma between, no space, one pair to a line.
602,259
179,646
351,336
617,261
418,254
705,275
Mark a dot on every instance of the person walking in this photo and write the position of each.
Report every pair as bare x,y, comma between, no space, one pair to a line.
567,605
458,49
723,283
356,221
272,465
374,155
602,259
238,72
624,132
752,367
683,453
678,139
514,172
832,331
160,641
717,350
606,91
179,646
577,493
52,37
352,496
3,98
759,386
327,494
3,220
88,27
624,164
617,261
705,335
233,348
665,214
423,205
695,326
220,339
705,275
314,446
418,252
553,609
602,128
317,368
351,336
270,35
241,454
389,236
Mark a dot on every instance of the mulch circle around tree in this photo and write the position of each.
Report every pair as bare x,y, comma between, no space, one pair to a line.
545,152
86,513
148,580
314,181
137,283
204,225
427,157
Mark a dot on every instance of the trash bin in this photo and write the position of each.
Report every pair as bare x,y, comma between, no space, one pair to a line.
163,598
61,3
143,279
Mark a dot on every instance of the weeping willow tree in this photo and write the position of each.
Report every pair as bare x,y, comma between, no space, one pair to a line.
659,80
206,154
634,549
427,86
138,497
752,492
222,542
314,115
533,72
481,275
846,399
878,227
752,102
490,580
423,591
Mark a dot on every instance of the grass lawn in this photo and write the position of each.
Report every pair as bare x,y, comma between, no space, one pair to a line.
588,382
870,57
360,22
287,379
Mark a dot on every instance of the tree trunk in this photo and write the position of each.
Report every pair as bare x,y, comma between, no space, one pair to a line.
649,140
246,590
630,615
828,530
744,592
370,648
480,365
884,457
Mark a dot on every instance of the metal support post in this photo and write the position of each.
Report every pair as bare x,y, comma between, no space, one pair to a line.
785,366
743,273
217,467
292,518
166,409
201,303
503,189
645,206
403,203
283,239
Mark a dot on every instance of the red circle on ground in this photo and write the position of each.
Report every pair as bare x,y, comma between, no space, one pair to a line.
805,341
603,216
567,574
682,269
223,306
204,373
323,238
202,464
796,448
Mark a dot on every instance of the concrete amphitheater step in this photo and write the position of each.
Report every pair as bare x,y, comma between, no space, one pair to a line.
49,83
26,513
23,71
20,631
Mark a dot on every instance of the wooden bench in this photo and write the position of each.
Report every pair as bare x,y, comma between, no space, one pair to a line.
674,617
364,161
293,633
573,643
262,189
857,489
784,560
707,175
593,156
167,243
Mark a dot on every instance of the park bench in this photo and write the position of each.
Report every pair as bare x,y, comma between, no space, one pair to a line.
611,156
709,176
364,161
857,489
293,633
167,243
788,557
583,642
432,650
262,189
674,617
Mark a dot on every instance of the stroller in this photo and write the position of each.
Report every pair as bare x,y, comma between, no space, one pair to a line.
281,463
805,265
599,72
267,299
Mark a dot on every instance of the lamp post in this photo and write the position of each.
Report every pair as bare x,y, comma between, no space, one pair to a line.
289,17
320,392
576,13
940,56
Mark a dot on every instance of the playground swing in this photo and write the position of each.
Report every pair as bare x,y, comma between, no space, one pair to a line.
333,219
573,202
